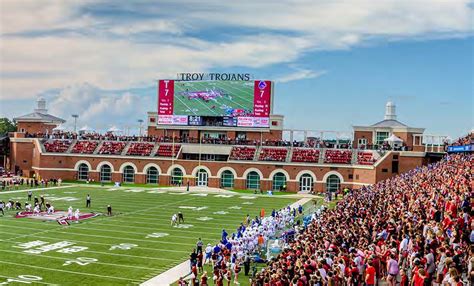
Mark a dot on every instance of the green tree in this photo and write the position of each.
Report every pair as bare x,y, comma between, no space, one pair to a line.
6,125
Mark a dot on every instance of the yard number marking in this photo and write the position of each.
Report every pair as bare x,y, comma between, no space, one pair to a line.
27,279
80,261
123,246
157,235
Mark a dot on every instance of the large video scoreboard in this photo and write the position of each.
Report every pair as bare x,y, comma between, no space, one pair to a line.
215,103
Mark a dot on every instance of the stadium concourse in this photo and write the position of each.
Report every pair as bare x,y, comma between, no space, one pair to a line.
413,229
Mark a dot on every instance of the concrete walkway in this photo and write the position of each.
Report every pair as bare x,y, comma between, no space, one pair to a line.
183,269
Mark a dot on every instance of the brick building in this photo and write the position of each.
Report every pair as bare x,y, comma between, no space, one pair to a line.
168,159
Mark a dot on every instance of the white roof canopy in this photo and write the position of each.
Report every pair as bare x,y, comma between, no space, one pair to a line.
114,129
86,128
393,139
59,128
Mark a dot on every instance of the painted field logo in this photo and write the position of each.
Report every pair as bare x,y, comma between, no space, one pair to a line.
59,216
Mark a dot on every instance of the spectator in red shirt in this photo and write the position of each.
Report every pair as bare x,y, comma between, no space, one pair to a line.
370,274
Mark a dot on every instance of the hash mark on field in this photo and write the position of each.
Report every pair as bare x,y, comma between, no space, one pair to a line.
68,271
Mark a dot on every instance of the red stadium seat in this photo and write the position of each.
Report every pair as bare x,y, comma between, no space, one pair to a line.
365,158
242,153
112,148
140,149
305,155
57,146
166,150
273,154
338,156
85,147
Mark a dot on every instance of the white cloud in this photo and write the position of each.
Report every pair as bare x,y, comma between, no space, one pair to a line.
106,52
300,74
97,107
155,26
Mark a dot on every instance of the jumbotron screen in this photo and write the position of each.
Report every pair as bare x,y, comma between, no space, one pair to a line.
215,103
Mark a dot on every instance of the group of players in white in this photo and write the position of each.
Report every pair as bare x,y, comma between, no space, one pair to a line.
36,210
256,233
233,250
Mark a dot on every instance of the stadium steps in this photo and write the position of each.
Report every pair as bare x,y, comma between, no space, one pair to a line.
179,152
125,150
354,156
322,155
289,154
99,146
41,145
74,141
257,153
155,150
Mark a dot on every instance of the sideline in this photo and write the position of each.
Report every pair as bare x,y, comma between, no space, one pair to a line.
172,275
37,189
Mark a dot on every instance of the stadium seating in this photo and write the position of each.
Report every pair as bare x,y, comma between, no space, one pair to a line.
242,153
273,154
166,150
111,148
140,149
365,158
84,147
425,229
57,146
305,155
338,156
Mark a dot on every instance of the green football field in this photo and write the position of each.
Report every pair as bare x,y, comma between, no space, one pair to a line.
235,95
130,247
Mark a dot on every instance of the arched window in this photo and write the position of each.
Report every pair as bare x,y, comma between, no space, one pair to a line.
202,178
176,176
227,179
152,175
105,173
332,183
83,172
253,181
279,180
306,183
128,175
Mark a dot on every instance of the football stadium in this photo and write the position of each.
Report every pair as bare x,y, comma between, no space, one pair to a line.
231,177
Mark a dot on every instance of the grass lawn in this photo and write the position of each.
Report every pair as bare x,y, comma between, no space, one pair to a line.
130,247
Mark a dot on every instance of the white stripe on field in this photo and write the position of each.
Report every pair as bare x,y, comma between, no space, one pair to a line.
68,271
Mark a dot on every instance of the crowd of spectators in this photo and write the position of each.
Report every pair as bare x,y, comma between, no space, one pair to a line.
140,149
242,153
413,229
305,155
338,156
111,148
113,136
57,146
466,140
273,154
365,158
84,147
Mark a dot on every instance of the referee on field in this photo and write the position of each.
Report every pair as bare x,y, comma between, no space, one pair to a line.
88,201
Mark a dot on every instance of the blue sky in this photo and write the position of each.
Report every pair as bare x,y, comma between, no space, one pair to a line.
335,63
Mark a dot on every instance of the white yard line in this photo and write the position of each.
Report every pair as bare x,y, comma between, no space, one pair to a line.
37,189
67,271
100,236
183,269
69,258
109,244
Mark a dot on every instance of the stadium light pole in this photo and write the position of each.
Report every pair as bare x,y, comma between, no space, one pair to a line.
140,122
75,116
